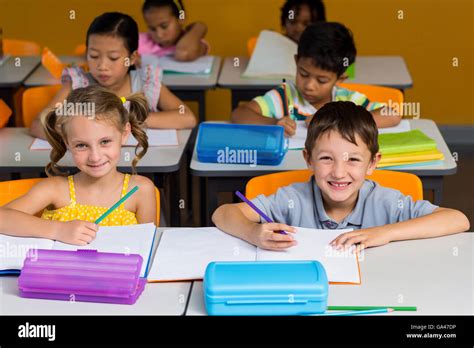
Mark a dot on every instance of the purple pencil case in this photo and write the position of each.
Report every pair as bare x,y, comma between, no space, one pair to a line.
82,275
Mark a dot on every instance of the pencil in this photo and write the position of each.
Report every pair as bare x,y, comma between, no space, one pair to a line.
258,211
363,308
116,205
286,107
371,311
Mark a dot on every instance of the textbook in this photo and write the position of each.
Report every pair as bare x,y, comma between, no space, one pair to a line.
156,137
169,65
412,141
273,57
183,254
131,239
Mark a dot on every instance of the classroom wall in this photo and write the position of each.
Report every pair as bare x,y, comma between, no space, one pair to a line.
430,35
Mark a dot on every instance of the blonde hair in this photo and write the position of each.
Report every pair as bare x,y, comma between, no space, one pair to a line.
107,106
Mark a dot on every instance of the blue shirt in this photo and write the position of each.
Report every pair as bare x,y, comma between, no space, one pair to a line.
301,205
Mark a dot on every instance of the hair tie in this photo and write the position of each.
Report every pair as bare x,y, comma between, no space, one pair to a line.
126,103
123,99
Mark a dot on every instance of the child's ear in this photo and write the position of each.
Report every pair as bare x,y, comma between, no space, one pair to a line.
134,57
342,78
307,158
373,163
127,130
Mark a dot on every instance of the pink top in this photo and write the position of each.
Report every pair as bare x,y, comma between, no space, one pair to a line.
146,45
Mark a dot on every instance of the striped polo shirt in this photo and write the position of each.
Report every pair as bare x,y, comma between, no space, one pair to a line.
271,103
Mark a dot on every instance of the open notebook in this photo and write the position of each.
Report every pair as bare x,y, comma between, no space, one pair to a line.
133,239
156,137
183,254
273,57
169,65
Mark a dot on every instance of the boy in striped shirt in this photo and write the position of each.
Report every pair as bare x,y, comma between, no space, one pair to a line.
325,51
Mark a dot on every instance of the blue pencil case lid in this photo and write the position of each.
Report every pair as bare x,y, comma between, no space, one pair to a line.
265,288
241,144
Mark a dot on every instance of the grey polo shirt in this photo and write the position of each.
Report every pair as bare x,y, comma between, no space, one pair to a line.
301,205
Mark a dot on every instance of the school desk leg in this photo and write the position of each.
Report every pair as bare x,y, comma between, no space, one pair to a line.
434,184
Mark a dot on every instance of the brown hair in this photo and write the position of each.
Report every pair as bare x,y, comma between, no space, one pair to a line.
107,106
348,119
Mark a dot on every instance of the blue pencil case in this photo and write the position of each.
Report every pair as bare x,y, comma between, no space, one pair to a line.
241,144
265,288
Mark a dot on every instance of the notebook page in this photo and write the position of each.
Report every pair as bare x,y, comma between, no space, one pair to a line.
40,144
297,141
202,65
13,250
273,57
185,253
130,239
313,244
157,137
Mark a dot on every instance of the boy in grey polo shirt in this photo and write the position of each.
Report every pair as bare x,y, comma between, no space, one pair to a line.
341,149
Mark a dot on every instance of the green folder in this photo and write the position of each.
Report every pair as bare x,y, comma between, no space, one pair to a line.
411,141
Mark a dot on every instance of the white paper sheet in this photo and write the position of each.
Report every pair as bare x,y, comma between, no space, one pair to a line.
273,57
297,141
40,144
185,253
202,65
313,244
131,239
157,137
13,250
403,126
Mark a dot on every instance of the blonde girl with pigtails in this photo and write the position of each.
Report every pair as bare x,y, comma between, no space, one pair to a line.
94,127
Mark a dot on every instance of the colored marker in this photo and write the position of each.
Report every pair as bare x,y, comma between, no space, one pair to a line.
116,205
370,311
258,211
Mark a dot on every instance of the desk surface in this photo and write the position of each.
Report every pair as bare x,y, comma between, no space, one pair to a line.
294,160
389,71
436,275
156,299
17,157
41,77
12,75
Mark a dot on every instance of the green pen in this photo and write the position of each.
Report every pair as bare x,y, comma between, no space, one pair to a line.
116,205
364,308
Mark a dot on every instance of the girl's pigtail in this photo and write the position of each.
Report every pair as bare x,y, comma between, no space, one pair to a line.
56,140
138,112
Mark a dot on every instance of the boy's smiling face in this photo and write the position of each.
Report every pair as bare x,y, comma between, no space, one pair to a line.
340,168
315,84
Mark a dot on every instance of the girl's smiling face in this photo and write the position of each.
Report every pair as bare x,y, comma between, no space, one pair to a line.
95,144
340,168
109,60
164,28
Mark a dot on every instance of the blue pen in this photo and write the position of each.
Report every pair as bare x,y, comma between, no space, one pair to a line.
259,212
370,311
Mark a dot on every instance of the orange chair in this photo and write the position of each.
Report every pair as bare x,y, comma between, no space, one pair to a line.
5,113
406,183
21,48
10,190
80,50
251,45
36,99
376,93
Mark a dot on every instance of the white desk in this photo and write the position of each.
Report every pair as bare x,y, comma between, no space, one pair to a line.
231,177
156,299
435,275
185,86
163,162
389,71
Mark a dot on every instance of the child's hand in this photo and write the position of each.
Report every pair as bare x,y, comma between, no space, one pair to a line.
266,236
289,125
76,232
366,238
